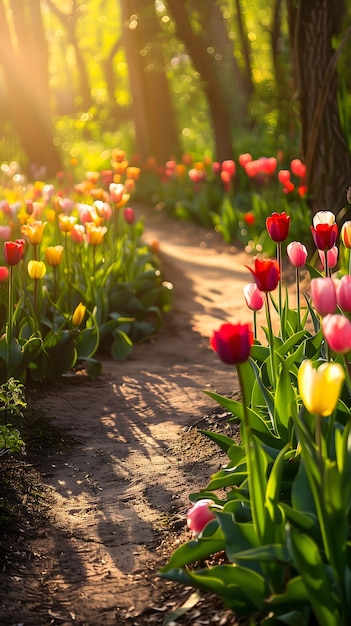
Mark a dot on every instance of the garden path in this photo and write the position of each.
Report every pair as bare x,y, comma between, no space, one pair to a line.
117,498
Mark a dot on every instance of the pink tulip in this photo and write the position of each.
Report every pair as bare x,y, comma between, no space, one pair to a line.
323,295
332,257
337,333
199,515
129,215
253,296
297,253
343,293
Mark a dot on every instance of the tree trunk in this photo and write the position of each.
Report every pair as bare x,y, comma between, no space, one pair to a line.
25,68
152,109
313,25
197,50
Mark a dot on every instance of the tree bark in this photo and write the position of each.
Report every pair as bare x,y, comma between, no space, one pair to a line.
152,109
220,118
313,24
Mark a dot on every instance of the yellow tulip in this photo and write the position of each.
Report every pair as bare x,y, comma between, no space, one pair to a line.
66,222
33,231
320,388
36,269
53,255
95,234
78,314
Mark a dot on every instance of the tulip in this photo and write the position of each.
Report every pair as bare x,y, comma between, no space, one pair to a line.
66,222
36,269
13,251
53,255
129,215
34,231
253,296
78,314
245,158
330,256
4,274
320,388
323,294
323,217
5,233
277,226
232,342
345,234
297,253
95,234
324,236
77,233
116,192
266,274
337,333
199,515
229,167
343,293
298,168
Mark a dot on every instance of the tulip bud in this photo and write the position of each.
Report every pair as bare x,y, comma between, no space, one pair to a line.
36,269
297,253
253,296
78,314
323,295
337,333
320,388
199,515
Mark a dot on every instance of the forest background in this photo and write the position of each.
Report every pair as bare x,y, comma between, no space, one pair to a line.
214,78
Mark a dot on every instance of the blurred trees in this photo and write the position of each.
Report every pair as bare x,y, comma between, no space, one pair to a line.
24,60
219,76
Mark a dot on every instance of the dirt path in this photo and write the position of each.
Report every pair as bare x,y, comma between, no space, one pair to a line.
119,496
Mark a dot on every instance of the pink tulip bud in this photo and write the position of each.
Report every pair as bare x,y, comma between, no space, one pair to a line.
129,215
343,293
297,253
337,333
253,296
199,515
323,295
332,257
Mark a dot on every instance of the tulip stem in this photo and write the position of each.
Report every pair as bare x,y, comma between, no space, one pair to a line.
255,324
280,285
10,320
271,342
298,301
326,264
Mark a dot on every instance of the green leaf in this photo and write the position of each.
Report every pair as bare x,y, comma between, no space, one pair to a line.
223,442
121,347
195,550
314,573
285,397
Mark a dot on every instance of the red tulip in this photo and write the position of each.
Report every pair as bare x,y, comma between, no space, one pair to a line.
4,274
324,236
266,274
324,230
129,215
323,295
337,333
277,226
232,342
297,253
13,251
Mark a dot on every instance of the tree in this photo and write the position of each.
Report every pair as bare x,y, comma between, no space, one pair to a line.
313,25
152,109
219,114
24,58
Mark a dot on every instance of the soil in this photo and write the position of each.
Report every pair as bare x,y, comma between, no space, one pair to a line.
99,501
